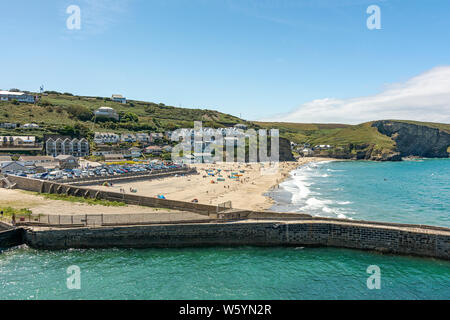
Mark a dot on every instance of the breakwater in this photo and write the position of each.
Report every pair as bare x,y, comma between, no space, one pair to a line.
398,239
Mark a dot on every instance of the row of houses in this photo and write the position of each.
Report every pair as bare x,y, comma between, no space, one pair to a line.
7,125
55,146
108,137
116,154
17,141
236,131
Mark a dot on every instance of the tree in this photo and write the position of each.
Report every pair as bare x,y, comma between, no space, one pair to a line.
128,117
80,112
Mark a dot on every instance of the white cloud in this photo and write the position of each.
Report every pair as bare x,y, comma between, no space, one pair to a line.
425,97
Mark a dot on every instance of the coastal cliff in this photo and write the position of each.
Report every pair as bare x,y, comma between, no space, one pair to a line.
415,139
383,140
285,150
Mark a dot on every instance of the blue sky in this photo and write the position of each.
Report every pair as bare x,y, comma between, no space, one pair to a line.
263,59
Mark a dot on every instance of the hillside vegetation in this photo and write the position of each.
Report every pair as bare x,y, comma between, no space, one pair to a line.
66,114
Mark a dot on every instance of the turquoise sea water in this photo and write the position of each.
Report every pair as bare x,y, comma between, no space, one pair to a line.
416,192
407,192
220,273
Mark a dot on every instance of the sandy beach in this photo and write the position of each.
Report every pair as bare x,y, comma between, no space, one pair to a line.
245,192
40,205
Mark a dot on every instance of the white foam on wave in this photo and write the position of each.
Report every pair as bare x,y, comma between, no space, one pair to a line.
335,170
308,199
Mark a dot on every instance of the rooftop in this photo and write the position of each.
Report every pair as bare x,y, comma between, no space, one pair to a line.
11,93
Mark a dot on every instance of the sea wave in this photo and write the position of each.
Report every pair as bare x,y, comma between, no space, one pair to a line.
306,195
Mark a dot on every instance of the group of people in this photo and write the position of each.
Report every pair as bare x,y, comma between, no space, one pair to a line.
122,190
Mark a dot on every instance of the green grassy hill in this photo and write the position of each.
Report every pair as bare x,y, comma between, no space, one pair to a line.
63,113
363,141
332,134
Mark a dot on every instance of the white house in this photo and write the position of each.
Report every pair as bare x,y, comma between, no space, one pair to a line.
118,98
17,141
143,137
107,113
19,96
102,138
135,152
156,135
30,126
128,137
35,160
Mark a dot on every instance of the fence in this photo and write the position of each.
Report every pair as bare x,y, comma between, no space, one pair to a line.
224,206
127,176
99,220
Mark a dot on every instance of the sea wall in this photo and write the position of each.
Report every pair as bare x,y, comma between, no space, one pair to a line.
59,188
387,239
128,177
11,238
4,226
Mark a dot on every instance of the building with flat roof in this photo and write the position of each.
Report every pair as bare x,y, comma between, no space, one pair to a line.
106,113
118,98
114,157
17,141
7,125
67,161
35,160
19,96
5,159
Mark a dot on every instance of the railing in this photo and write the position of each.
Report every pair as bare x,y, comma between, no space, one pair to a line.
227,205
104,220
132,175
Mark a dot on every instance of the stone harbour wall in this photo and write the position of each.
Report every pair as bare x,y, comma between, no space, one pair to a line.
387,239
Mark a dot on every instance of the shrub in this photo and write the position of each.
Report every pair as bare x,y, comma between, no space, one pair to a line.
128,117
80,112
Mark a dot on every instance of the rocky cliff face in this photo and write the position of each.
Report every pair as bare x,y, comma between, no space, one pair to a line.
285,150
415,140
